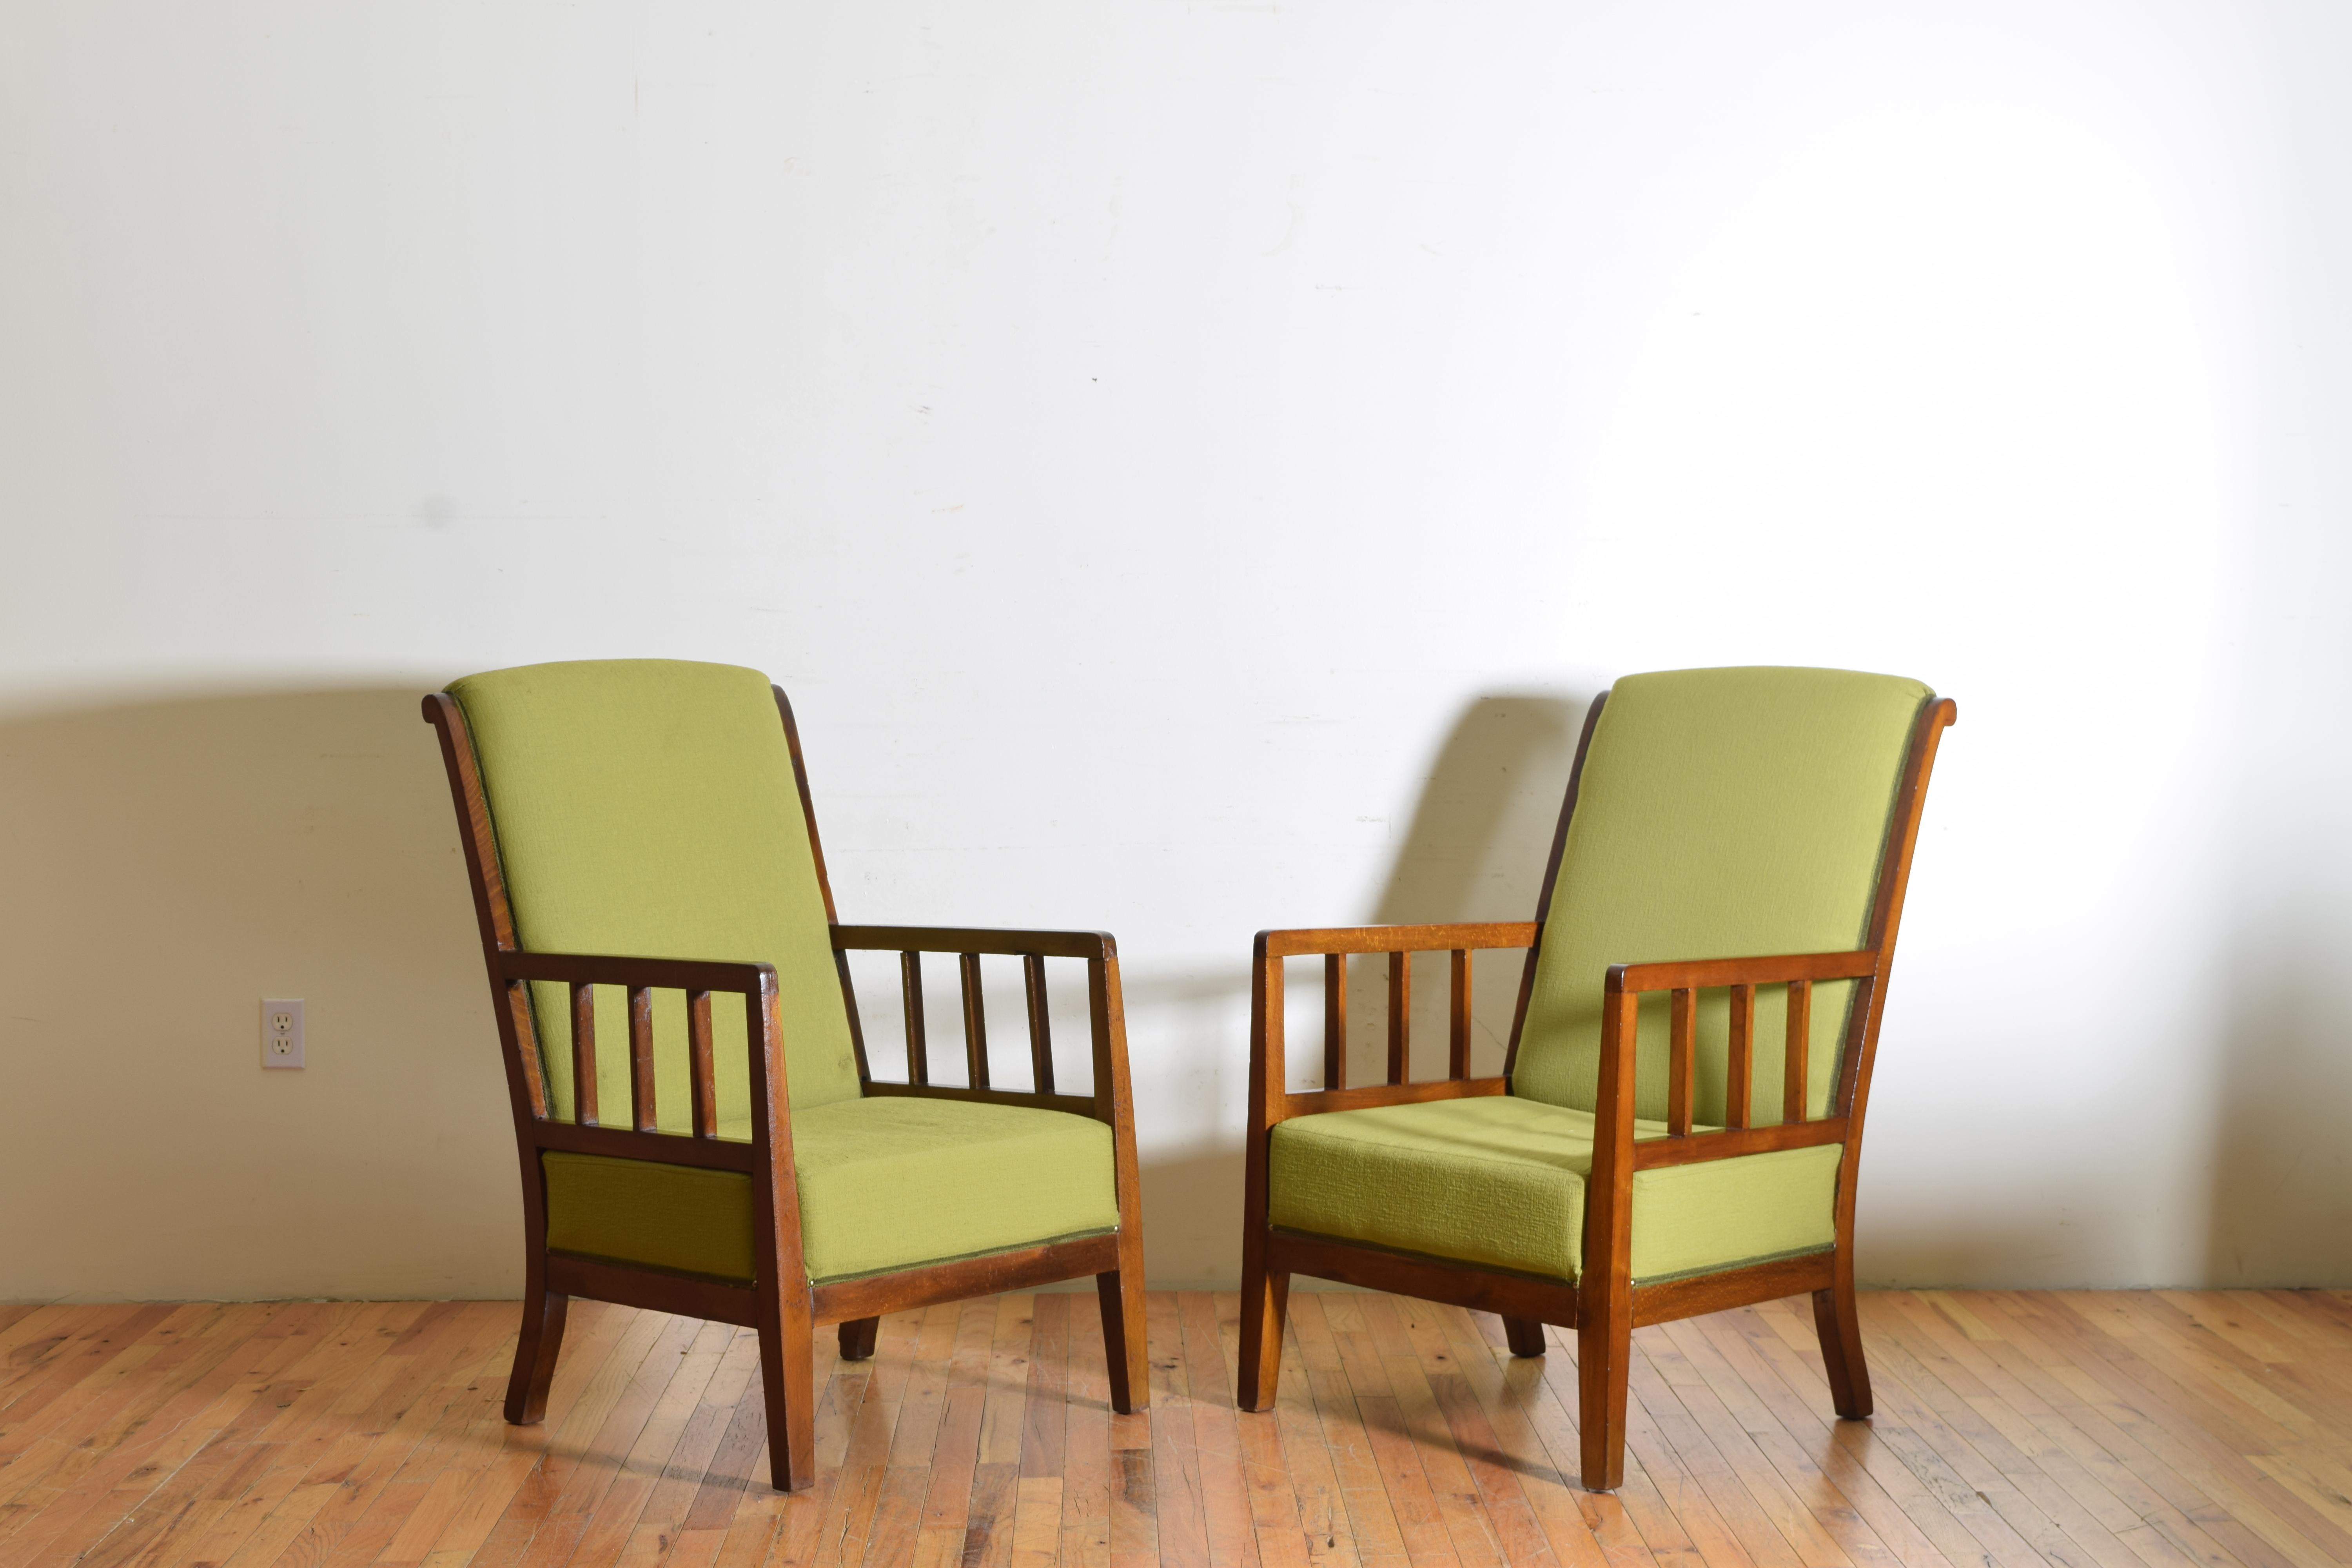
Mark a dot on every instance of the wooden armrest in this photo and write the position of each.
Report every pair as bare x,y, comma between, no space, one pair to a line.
962,938
638,974
1704,974
1685,979
1270,1100
1399,939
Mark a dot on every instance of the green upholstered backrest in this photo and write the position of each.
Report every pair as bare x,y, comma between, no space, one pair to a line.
648,808
1721,813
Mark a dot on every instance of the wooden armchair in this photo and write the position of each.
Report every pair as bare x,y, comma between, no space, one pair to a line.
645,864
1667,1137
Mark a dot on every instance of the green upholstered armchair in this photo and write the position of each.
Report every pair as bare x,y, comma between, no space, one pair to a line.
697,1129
1678,1124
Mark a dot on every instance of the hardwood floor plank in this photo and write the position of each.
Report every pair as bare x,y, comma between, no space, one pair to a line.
1087,1446
1179,1510
1216,1438
2173,1429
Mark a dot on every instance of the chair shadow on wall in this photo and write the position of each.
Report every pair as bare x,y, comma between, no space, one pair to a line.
175,858
168,861
1473,848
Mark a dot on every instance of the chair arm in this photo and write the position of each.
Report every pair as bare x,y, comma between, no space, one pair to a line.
581,973
1271,1100
637,973
1683,979
1104,1011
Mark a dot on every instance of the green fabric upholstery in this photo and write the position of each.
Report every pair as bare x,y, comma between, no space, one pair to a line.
1500,1181
1722,813
884,1183
648,808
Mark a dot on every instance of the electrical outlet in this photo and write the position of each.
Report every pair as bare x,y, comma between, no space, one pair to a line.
281,1031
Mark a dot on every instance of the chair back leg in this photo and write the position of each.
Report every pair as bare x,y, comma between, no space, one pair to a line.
1840,1326
1120,1292
1524,1336
857,1336
535,1346
787,1380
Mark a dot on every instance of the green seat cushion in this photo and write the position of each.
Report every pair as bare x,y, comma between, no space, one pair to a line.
1499,1180
885,1182
648,808
1721,813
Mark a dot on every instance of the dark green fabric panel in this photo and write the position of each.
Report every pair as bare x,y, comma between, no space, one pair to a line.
1500,1180
885,1182
648,807
635,1211
1723,813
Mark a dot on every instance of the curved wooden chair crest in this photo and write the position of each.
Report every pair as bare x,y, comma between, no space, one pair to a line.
1678,1124
697,1128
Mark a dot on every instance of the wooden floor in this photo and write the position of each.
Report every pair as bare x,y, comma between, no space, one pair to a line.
2102,1430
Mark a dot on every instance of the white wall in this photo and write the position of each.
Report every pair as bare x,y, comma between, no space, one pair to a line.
1189,464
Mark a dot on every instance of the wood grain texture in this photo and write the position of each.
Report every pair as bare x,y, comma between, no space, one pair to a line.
2140,1429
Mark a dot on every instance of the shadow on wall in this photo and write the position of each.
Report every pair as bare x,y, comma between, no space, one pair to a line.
167,864
2282,1177
1473,848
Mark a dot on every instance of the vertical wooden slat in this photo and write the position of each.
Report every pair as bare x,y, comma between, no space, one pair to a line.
1041,1022
584,1055
641,1060
1457,1042
975,1021
1400,1015
1334,1020
1682,1055
1739,1079
918,1051
703,1076
1794,1069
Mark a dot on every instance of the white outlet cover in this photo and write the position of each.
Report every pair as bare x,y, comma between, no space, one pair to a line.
281,1031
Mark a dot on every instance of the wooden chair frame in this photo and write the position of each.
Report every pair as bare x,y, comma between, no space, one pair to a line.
779,1303
1604,1306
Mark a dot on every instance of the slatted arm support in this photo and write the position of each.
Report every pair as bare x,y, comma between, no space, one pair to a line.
639,978
1682,980
968,945
1335,945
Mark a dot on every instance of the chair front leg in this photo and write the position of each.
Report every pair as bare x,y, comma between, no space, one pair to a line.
1604,1351
1120,1292
1604,1312
1524,1336
788,1386
1266,1304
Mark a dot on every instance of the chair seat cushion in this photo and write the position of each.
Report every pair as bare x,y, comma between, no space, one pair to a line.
1499,1180
884,1183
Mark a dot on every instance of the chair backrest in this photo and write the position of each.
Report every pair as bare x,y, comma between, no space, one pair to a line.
648,808
1721,813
